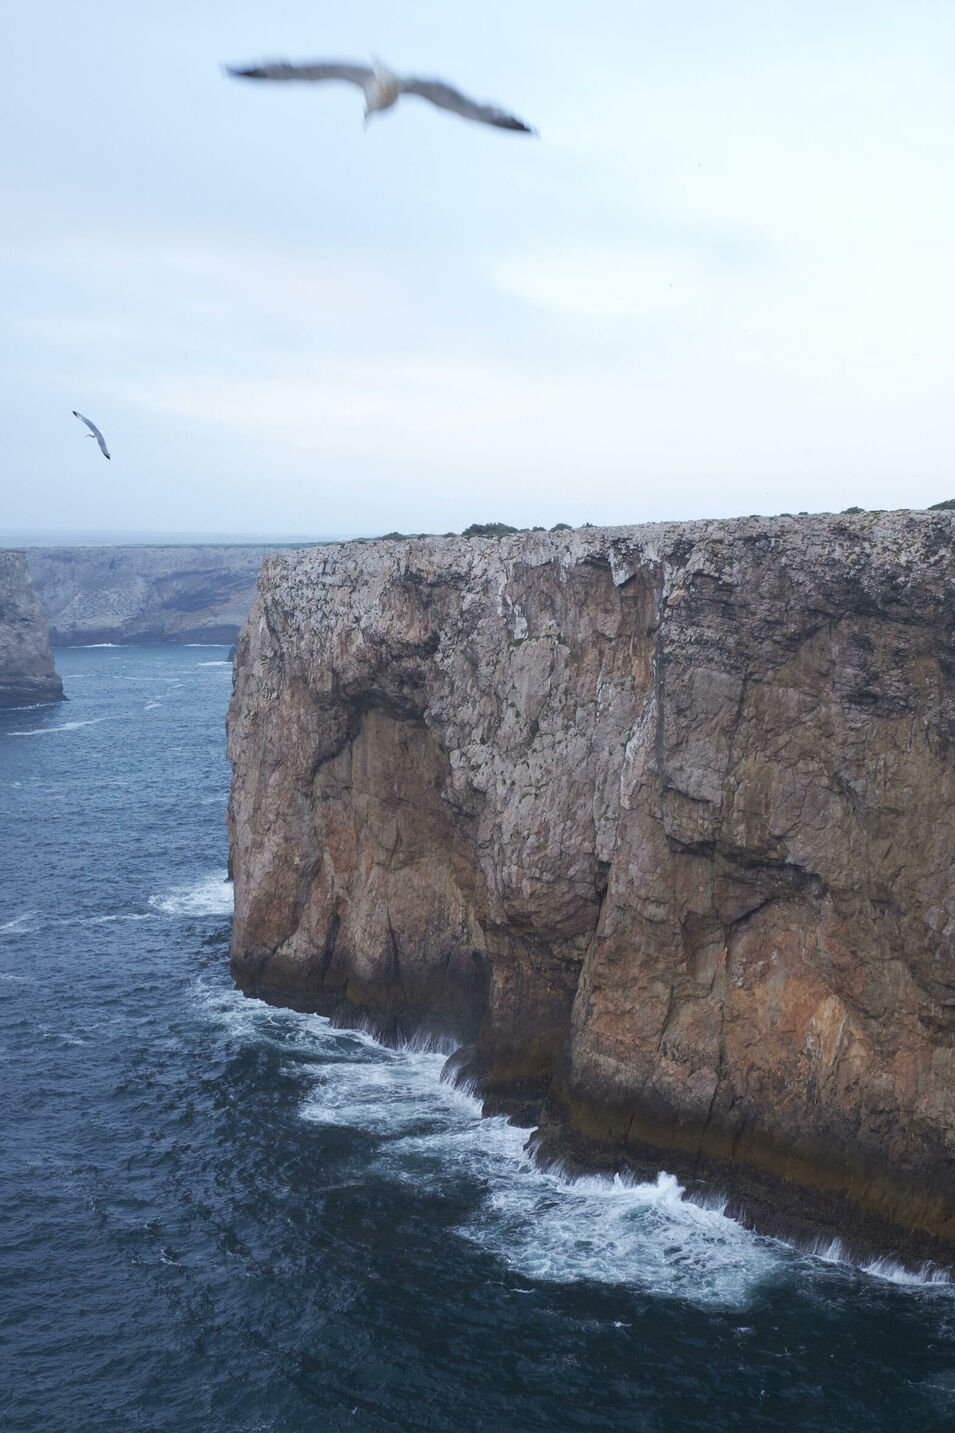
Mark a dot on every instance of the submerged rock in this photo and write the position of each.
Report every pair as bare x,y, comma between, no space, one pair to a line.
27,673
661,818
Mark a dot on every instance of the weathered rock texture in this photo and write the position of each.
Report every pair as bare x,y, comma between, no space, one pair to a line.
665,815
145,594
27,673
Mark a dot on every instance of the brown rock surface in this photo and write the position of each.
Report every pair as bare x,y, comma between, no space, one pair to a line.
664,815
27,673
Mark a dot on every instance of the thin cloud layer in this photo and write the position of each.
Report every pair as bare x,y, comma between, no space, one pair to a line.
719,283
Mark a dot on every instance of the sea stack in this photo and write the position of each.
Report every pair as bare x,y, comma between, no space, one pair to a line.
27,673
659,820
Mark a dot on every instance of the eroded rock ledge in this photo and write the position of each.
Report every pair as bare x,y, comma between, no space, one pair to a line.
661,818
27,673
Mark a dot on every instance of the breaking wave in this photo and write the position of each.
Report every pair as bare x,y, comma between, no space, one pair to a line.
893,1271
211,895
65,726
540,1224
19,925
31,706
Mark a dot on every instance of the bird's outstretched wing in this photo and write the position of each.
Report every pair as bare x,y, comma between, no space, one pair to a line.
95,432
446,97
316,70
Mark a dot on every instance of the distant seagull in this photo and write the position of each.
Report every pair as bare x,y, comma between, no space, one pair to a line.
94,432
382,88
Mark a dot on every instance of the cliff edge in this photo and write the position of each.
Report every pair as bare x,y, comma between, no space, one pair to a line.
27,673
661,818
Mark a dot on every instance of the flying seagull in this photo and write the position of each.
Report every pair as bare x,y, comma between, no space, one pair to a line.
94,432
382,88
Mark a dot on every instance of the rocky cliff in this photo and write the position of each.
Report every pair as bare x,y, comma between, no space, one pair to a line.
661,818
145,594
27,673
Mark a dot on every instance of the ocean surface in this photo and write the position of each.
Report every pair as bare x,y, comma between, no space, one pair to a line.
218,1216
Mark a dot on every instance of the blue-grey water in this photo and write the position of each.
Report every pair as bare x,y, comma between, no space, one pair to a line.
219,1216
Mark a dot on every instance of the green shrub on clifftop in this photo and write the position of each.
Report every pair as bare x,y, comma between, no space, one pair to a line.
489,529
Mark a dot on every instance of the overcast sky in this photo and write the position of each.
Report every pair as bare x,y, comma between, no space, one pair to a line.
720,282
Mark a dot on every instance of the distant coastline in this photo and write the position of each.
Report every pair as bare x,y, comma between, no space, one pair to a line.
95,537
125,593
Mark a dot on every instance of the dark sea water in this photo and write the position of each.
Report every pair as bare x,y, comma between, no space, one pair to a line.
218,1216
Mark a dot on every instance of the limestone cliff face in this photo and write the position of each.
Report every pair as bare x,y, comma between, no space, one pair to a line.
663,818
27,673
145,594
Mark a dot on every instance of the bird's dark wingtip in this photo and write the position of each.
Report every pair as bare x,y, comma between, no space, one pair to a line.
518,126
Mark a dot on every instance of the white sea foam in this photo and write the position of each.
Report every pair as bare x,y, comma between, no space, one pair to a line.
222,663
88,646
893,1271
65,726
20,925
211,895
250,1021
150,705
896,1273
541,1225
620,1232
33,921
62,1036
538,1223
387,1092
